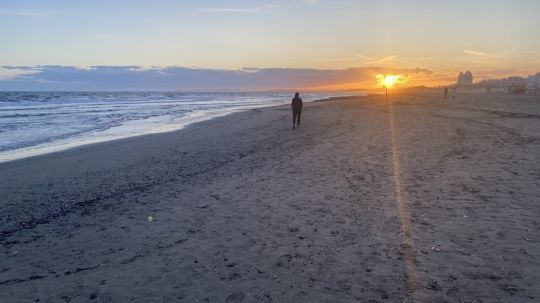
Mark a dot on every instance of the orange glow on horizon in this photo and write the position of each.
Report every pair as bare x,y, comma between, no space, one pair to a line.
396,79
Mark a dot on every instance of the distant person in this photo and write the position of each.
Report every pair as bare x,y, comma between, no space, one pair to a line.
446,92
296,106
454,92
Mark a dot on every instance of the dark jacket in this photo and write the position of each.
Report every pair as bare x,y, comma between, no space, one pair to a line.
297,104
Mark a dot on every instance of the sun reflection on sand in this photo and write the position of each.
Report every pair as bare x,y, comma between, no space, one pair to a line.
404,217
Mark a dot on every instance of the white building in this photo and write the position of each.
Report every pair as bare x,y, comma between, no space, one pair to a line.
465,79
533,83
515,85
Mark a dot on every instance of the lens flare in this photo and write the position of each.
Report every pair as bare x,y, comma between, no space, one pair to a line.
389,80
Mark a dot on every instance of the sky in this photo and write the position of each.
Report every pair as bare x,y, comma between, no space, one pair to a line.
431,40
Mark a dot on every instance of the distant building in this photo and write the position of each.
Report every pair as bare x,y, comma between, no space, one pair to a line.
518,85
533,84
465,79
513,85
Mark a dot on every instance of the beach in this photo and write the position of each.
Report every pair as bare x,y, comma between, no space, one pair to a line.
426,200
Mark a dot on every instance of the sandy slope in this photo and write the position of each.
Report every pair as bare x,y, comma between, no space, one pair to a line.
428,201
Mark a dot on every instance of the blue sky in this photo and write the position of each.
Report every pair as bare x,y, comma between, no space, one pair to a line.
442,36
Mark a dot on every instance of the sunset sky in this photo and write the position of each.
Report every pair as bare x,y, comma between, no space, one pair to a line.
490,38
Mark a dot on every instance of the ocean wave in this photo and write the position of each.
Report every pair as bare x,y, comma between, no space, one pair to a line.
34,119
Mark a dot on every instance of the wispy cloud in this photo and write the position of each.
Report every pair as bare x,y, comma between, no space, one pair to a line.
238,10
14,72
384,60
494,55
475,53
381,60
483,59
340,59
365,57
22,13
311,1
230,10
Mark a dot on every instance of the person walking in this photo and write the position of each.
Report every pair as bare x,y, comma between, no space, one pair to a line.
446,92
296,106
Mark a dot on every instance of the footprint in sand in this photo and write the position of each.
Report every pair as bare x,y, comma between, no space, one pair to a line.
235,297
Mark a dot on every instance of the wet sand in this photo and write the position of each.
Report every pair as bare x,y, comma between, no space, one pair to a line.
428,200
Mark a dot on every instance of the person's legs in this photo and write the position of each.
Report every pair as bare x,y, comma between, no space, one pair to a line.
294,114
298,120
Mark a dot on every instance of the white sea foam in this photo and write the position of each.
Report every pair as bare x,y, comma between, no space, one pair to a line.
37,123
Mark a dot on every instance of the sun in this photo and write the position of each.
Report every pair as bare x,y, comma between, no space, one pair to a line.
388,80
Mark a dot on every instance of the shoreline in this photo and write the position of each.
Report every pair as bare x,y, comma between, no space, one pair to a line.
242,208
64,145
105,136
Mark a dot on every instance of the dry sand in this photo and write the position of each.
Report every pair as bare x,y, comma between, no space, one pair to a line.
429,200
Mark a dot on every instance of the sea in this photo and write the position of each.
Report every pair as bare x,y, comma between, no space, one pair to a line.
35,123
